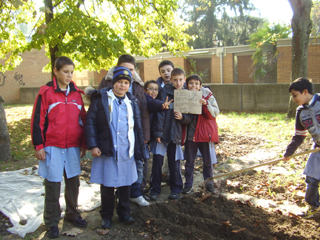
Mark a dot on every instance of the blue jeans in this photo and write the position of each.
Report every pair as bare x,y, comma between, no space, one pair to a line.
135,190
312,193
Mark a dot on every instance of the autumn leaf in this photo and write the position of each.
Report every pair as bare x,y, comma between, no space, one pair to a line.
227,223
72,232
101,231
239,230
291,215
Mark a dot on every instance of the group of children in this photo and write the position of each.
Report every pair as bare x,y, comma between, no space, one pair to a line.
124,117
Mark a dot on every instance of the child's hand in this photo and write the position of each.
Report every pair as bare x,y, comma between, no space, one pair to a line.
166,104
203,101
95,152
158,140
286,158
82,152
177,115
40,154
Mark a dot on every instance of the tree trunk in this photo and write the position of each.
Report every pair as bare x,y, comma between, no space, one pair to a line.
5,153
301,28
52,49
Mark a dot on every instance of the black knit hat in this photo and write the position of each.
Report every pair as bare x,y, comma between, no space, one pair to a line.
121,73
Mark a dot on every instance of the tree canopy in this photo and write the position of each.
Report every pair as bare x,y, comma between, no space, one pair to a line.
95,32
264,41
210,21
13,12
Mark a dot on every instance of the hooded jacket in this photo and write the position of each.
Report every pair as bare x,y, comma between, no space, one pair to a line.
97,127
207,128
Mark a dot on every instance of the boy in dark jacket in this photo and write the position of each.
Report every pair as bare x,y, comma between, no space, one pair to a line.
136,89
114,135
167,130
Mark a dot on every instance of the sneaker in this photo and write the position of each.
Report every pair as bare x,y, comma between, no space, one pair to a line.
174,195
310,212
141,201
187,189
210,188
53,232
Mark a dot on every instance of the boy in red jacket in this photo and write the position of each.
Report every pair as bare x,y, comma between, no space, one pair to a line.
202,134
57,131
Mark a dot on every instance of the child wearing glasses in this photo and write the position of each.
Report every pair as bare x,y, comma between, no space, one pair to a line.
151,90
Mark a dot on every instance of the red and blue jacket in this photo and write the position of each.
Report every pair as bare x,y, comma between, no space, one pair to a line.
58,119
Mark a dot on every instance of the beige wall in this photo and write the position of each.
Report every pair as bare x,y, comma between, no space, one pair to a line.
151,70
27,74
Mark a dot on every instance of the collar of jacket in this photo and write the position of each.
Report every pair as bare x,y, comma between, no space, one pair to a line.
56,87
107,89
315,98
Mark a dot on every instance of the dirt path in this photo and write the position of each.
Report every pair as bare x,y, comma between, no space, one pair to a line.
247,206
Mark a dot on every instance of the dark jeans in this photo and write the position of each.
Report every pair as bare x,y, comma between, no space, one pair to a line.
107,201
52,212
312,193
174,168
191,149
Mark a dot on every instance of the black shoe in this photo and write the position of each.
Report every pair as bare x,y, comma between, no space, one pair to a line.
78,222
153,196
53,232
174,195
126,219
187,189
106,223
210,188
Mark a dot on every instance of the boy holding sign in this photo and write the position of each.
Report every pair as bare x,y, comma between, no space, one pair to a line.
202,134
167,130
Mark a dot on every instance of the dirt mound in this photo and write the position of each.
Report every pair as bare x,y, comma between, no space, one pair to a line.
194,217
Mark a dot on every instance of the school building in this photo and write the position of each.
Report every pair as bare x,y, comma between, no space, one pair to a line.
228,69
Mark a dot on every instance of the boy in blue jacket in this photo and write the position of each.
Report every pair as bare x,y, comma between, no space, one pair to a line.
167,130
114,135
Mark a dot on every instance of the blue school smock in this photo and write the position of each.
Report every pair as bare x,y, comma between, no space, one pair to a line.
161,149
313,166
119,170
57,160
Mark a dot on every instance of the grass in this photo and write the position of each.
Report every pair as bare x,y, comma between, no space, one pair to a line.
274,127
